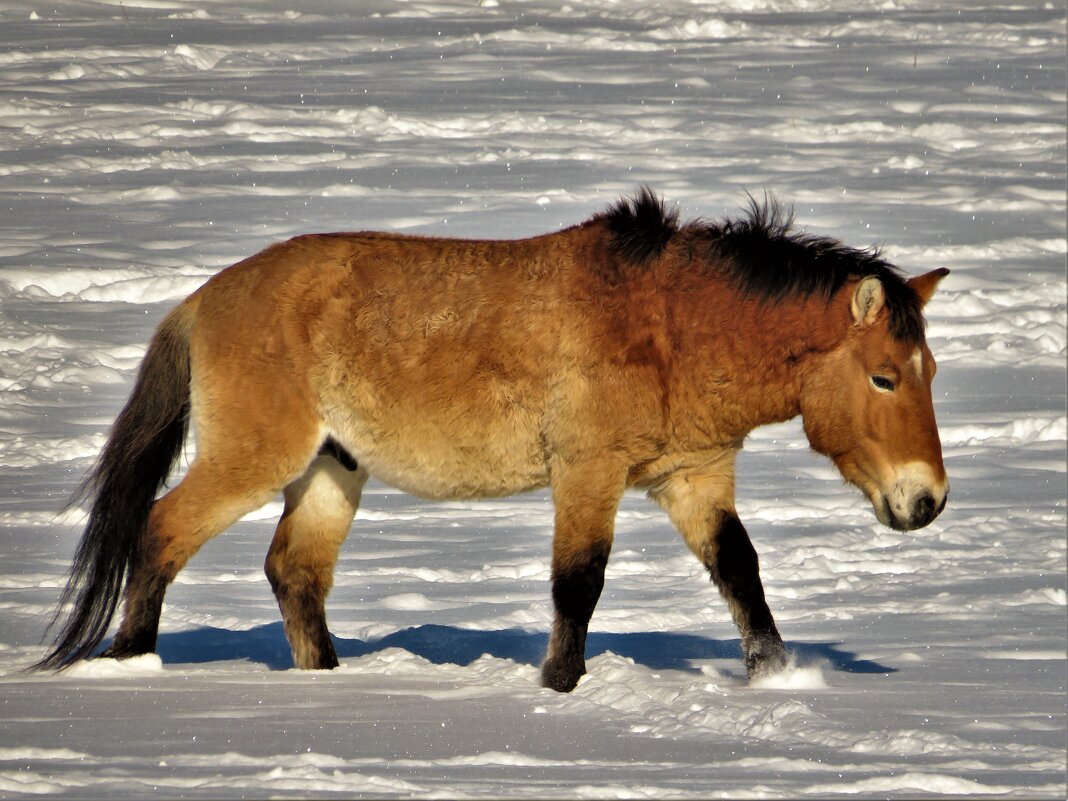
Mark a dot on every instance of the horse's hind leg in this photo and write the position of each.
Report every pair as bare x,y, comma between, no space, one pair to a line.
214,494
319,509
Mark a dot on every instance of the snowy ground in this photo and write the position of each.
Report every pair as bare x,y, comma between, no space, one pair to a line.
146,144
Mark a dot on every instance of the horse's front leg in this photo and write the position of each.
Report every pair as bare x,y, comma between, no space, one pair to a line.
586,497
731,559
701,505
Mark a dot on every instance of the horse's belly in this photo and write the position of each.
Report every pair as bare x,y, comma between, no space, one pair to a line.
441,395
440,481
440,469
445,451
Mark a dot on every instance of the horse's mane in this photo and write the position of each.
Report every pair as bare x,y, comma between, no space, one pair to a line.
762,254
640,228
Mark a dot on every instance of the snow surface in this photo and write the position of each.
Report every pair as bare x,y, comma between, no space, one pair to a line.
146,144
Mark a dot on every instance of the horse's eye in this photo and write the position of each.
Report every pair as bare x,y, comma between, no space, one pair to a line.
881,382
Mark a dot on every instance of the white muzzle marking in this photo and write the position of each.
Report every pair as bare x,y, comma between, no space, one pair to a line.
915,498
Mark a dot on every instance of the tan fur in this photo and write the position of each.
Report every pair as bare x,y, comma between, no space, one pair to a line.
465,369
445,384
695,498
872,436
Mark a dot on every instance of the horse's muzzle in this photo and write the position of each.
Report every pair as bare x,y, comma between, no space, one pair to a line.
921,512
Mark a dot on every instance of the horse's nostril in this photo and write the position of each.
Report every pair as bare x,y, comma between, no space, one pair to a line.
924,511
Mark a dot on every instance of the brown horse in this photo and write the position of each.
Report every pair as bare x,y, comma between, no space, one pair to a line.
628,351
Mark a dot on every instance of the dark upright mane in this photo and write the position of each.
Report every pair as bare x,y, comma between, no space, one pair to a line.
639,228
768,259
762,254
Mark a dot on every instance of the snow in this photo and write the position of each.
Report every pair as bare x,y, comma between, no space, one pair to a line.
147,144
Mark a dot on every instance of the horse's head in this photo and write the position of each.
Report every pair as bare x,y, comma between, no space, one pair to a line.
867,404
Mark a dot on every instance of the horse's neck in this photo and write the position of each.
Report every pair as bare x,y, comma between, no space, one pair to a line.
740,361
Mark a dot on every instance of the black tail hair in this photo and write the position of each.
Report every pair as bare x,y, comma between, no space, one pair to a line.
142,447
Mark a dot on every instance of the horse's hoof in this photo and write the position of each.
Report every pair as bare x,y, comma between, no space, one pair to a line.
118,650
323,663
560,675
321,658
765,658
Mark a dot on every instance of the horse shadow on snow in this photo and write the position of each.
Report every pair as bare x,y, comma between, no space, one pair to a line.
442,645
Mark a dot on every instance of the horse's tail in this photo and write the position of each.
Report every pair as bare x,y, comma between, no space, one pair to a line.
144,443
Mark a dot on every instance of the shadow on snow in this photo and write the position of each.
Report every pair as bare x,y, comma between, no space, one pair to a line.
456,646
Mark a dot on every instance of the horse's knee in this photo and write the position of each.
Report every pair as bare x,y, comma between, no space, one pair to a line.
577,585
730,556
298,563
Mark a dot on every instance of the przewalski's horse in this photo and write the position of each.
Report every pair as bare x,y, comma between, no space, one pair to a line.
628,351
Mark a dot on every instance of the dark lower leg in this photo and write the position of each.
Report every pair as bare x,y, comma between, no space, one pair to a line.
140,622
576,588
179,523
301,598
732,562
151,572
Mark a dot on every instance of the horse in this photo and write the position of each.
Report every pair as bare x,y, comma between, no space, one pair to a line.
627,351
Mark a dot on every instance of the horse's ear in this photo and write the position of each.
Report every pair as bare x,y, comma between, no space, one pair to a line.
868,300
924,285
